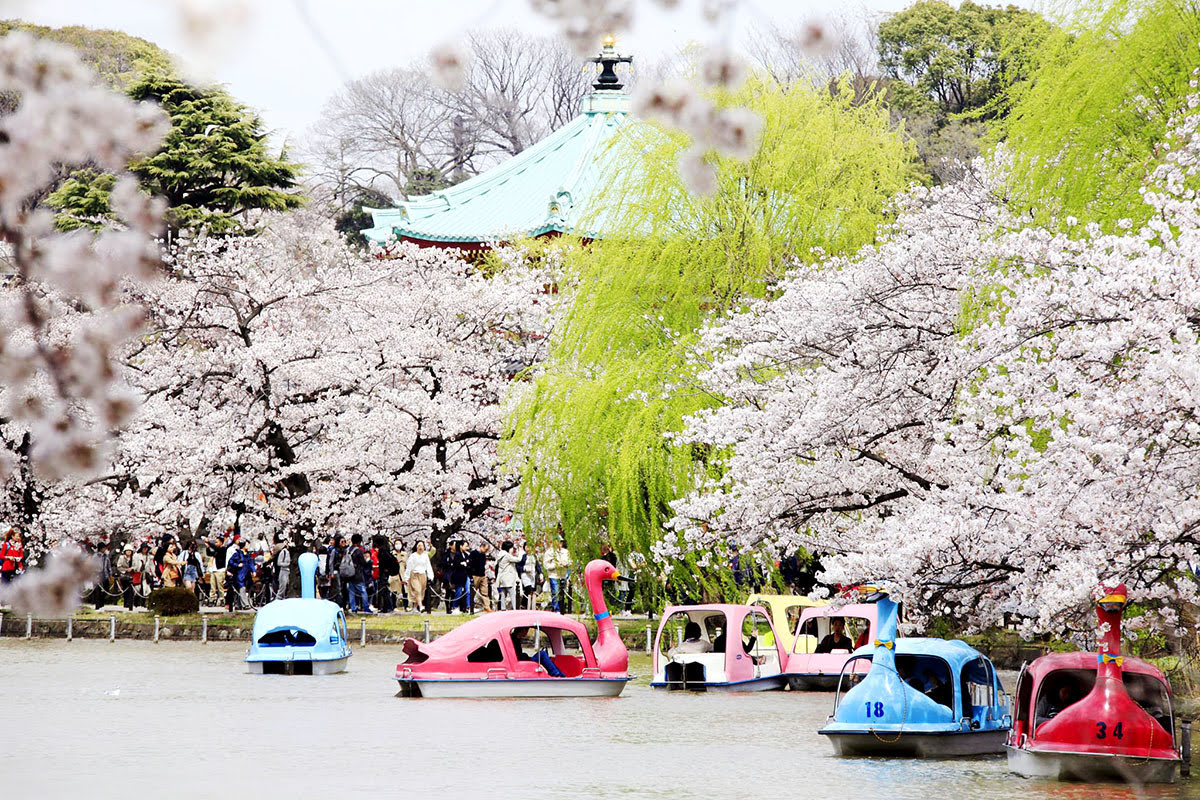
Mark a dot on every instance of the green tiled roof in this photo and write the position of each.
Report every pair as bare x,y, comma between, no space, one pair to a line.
549,187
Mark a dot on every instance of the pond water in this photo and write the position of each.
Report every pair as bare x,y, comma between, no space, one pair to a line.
183,720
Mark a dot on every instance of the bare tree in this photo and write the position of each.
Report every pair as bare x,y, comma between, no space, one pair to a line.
393,131
520,89
847,46
380,130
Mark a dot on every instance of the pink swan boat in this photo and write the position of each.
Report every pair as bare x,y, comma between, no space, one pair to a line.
522,654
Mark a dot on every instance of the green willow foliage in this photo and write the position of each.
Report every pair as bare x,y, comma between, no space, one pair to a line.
591,436
1085,128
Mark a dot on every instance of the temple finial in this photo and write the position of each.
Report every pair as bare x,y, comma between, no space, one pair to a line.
608,59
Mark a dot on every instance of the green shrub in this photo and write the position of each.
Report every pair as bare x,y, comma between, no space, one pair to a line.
171,602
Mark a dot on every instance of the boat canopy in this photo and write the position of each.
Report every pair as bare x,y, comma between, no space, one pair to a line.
955,652
1044,665
734,614
785,611
815,624
457,645
318,618
298,629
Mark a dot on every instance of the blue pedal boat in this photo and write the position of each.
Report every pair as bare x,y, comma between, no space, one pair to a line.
924,698
301,635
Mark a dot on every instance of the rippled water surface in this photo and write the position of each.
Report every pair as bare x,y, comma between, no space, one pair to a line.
182,720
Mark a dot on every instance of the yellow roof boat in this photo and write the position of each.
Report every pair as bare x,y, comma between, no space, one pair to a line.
785,615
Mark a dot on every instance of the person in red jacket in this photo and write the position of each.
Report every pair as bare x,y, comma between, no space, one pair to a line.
12,556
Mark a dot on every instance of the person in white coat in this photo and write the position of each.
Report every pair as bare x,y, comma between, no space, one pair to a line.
506,575
418,571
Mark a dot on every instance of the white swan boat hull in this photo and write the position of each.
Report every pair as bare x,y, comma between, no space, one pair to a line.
298,667
1090,767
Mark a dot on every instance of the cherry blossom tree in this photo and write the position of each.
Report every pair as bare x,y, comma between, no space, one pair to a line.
992,416
61,310
60,318
289,382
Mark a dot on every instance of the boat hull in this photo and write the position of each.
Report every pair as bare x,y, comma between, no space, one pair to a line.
1091,768
767,684
812,682
326,667
951,744
513,687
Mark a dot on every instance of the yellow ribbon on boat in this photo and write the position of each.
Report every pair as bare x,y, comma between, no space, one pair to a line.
1105,658
888,644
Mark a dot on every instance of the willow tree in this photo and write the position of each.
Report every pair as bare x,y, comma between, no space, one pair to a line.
592,435
1085,129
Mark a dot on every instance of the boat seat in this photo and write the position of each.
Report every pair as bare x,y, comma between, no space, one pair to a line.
805,644
571,666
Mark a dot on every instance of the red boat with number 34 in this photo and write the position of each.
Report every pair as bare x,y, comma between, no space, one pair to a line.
1095,716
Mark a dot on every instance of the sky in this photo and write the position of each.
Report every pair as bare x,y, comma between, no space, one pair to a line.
286,57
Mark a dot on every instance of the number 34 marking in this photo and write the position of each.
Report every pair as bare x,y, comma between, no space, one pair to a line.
1102,731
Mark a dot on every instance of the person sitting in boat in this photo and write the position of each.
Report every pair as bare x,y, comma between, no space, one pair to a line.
542,656
1053,702
692,642
836,639
718,645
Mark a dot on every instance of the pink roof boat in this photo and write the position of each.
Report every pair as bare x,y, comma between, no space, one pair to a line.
522,654
808,670
728,654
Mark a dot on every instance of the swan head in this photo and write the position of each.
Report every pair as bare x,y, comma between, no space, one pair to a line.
601,570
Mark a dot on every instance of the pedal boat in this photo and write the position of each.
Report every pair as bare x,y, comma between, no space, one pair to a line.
807,670
480,658
785,610
742,666
960,709
300,635
1095,716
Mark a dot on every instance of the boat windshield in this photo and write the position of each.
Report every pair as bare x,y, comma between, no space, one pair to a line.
1065,687
556,650
978,688
816,630
929,675
758,638
853,671
287,637
679,637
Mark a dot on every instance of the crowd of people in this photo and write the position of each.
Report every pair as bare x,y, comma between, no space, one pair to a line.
382,575
385,576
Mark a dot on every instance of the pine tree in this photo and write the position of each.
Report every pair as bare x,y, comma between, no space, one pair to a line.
212,167
214,163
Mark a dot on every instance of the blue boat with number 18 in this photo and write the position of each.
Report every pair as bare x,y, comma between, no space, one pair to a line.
921,697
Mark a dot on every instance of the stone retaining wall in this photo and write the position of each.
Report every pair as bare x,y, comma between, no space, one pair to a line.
12,626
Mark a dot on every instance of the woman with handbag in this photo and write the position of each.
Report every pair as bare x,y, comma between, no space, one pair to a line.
172,566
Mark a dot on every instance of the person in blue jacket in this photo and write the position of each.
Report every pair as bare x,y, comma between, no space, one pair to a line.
238,568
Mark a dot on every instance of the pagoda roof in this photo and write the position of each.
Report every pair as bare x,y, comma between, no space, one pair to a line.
550,187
